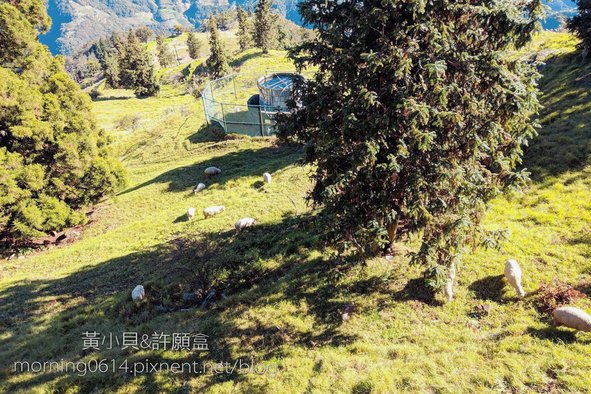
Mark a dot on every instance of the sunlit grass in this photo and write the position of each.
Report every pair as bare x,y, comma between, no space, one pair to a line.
284,294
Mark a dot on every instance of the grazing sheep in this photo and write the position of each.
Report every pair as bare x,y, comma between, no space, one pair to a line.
199,188
211,171
191,213
212,211
572,317
138,293
244,223
448,291
267,177
513,275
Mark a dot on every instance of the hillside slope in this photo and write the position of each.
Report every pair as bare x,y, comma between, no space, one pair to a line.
280,297
79,22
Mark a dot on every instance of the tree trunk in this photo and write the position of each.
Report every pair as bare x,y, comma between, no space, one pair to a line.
392,231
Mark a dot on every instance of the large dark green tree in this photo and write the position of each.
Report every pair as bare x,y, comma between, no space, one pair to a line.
580,24
53,157
136,67
217,62
164,53
265,25
193,45
415,119
245,29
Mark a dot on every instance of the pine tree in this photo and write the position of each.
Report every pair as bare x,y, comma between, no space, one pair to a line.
265,25
193,45
164,53
111,71
137,70
245,31
415,119
580,24
217,62
53,157
144,34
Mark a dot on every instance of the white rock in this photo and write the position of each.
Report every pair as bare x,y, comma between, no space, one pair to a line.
199,188
513,275
191,213
211,171
138,293
212,211
267,177
244,223
448,291
572,317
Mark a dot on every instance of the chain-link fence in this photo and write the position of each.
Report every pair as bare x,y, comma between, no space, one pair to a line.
232,102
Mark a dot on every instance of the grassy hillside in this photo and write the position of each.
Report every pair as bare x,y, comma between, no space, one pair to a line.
283,296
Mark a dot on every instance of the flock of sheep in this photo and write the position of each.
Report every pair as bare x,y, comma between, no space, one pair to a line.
568,316
217,209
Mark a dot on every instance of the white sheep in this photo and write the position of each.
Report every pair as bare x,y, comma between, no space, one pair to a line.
267,177
212,211
191,213
572,317
211,171
513,275
244,223
199,188
138,293
448,291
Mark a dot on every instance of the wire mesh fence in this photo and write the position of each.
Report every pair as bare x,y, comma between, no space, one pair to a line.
232,102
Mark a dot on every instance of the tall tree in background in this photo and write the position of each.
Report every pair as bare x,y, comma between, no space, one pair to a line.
415,119
265,25
137,70
193,45
580,24
164,53
144,33
245,32
217,62
53,158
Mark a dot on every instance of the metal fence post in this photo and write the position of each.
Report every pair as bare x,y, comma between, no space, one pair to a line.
234,83
224,117
205,110
261,121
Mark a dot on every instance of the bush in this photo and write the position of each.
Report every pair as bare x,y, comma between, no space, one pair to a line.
53,157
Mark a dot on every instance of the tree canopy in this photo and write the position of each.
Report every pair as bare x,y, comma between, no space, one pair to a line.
580,24
53,157
265,25
415,119
217,62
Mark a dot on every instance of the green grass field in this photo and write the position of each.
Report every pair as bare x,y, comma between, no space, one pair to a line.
283,296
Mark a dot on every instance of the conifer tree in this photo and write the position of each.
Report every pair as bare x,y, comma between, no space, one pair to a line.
217,62
245,31
164,53
193,45
580,24
137,70
53,157
415,119
265,25
144,34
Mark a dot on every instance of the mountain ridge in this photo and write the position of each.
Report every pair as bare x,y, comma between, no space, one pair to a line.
78,22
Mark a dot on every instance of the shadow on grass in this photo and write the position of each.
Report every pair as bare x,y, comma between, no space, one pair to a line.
553,334
236,164
97,298
489,288
564,141
417,290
